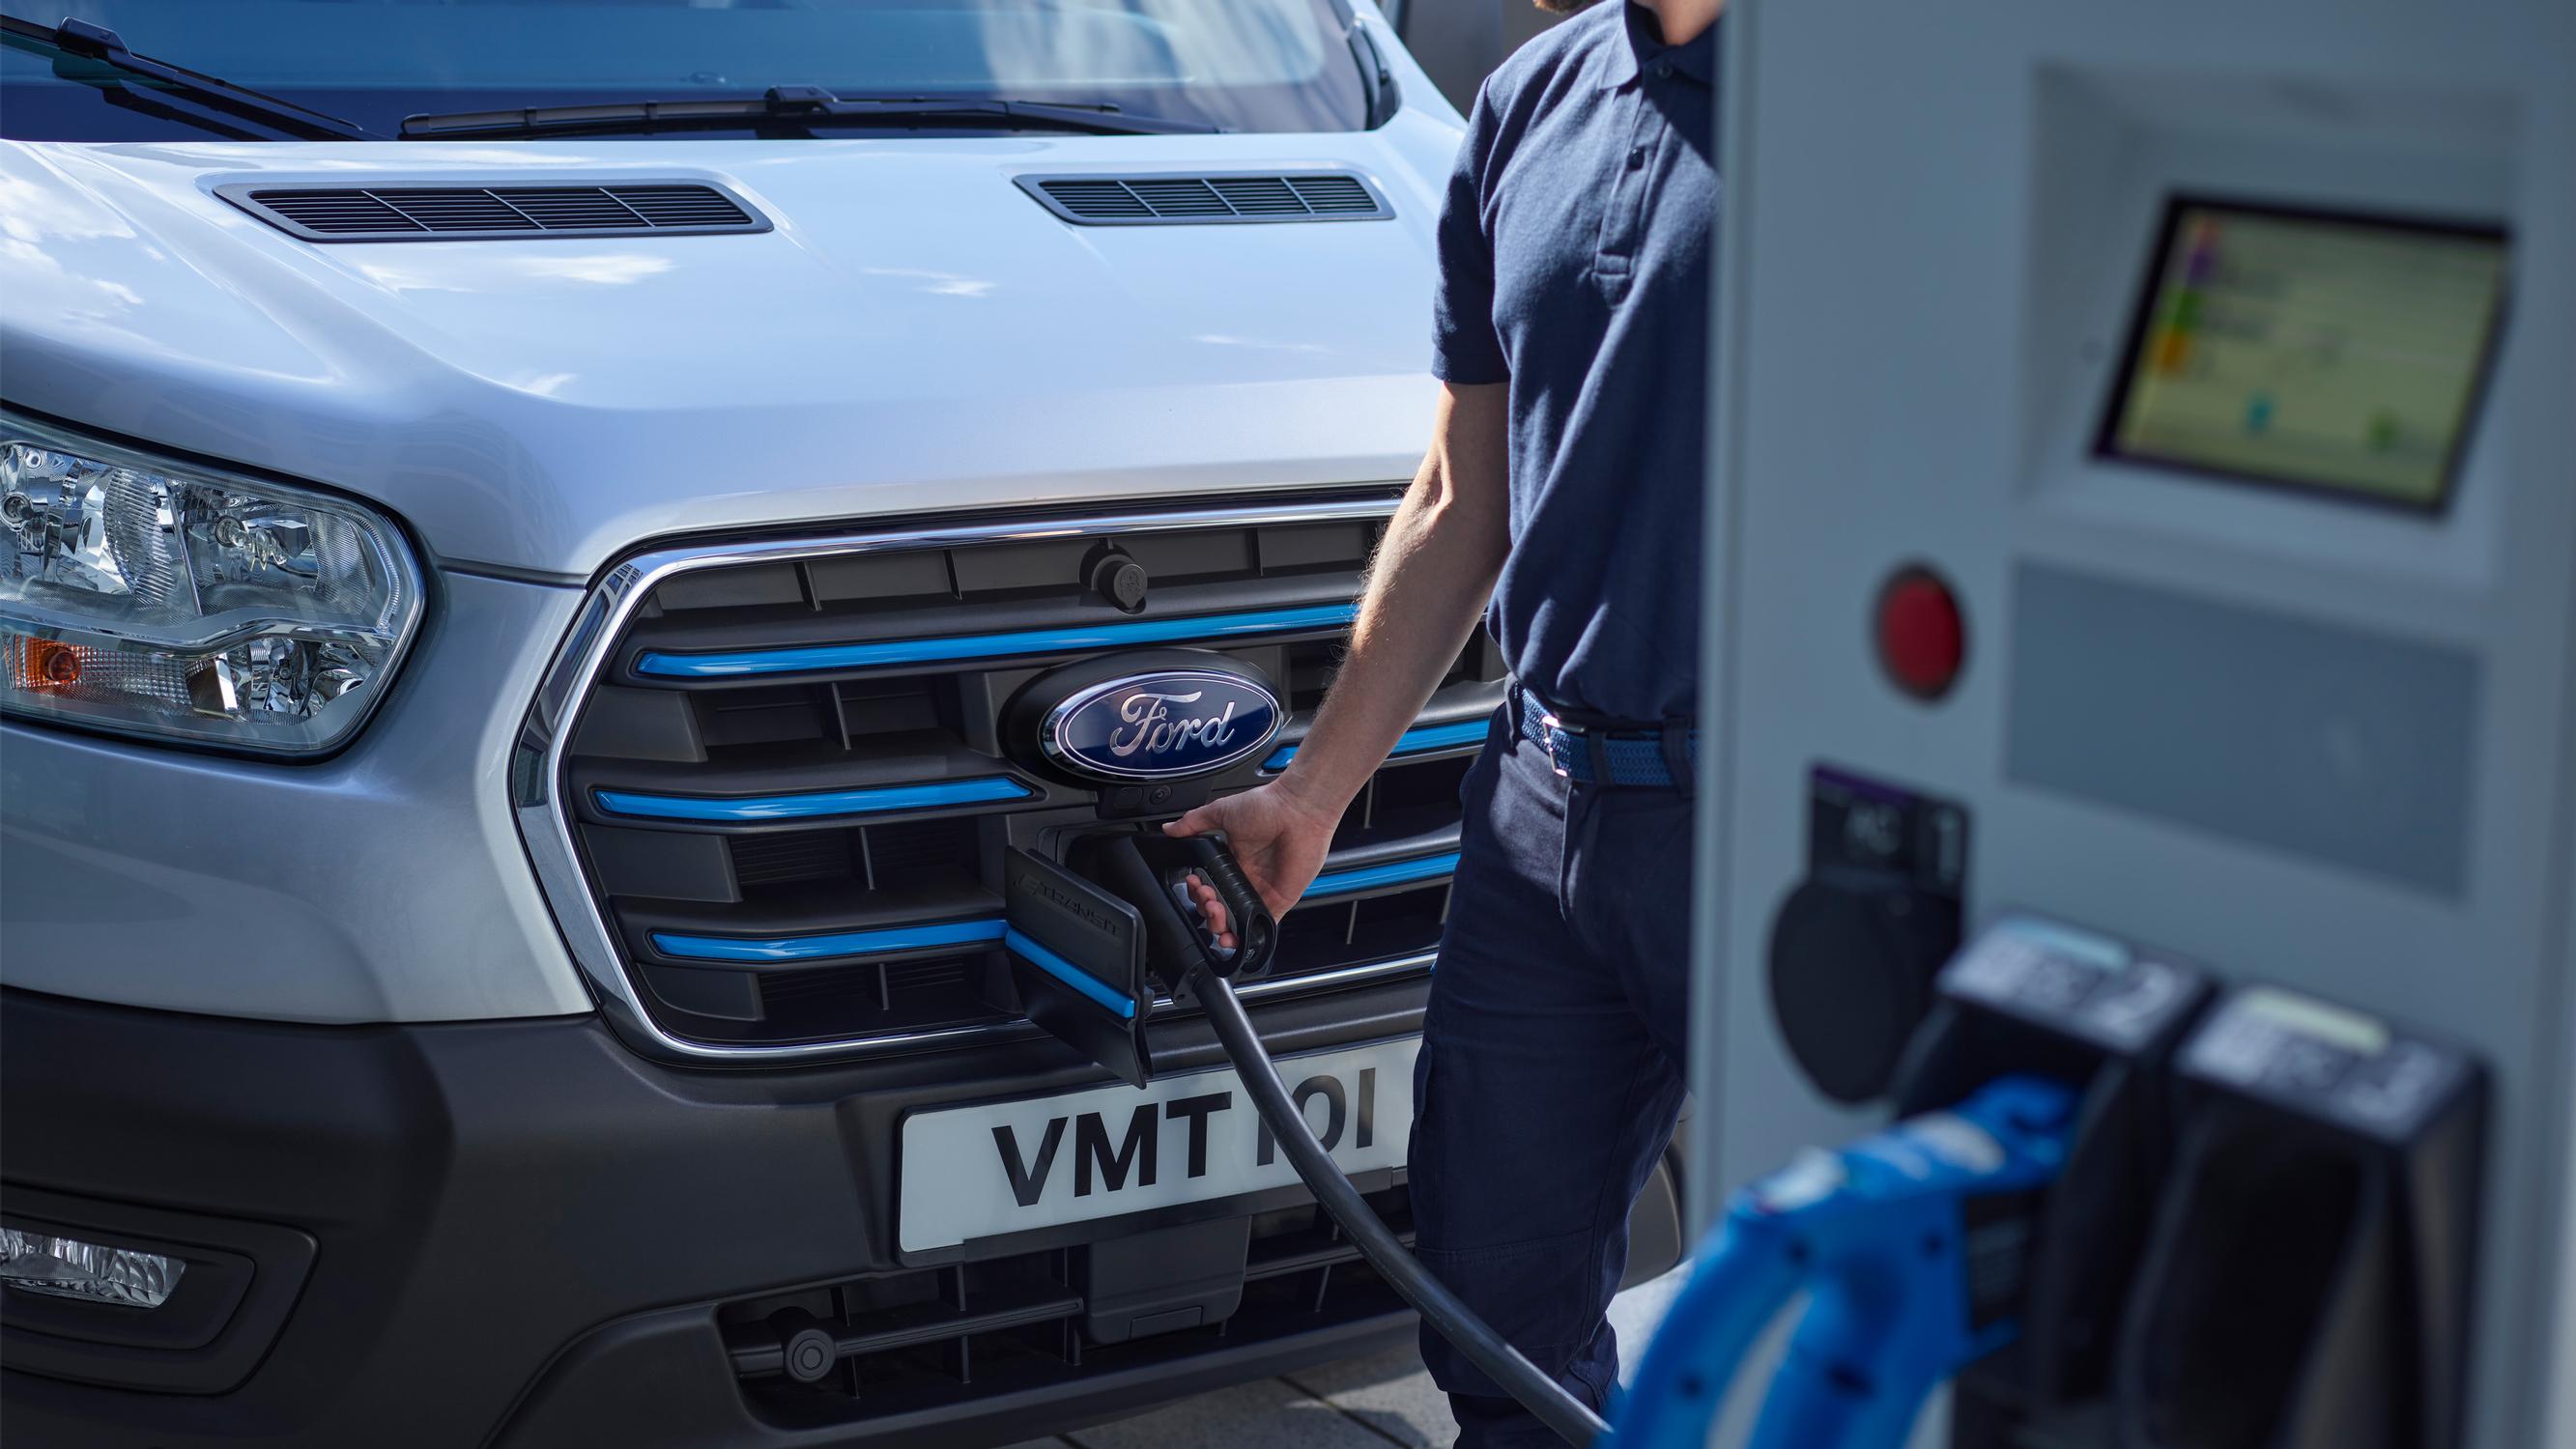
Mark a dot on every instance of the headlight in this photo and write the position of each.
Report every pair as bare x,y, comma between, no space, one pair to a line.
163,599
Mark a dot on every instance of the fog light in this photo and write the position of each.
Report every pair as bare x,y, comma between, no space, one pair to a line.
70,1268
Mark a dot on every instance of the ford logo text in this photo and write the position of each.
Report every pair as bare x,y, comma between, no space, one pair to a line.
1163,725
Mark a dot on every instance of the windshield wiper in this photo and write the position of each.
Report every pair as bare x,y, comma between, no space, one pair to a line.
805,108
78,40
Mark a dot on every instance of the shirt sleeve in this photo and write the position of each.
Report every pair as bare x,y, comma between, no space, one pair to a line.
1465,348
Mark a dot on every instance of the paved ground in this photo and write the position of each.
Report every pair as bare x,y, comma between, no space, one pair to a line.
1366,1403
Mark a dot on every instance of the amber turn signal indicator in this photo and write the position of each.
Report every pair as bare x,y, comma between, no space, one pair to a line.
46,664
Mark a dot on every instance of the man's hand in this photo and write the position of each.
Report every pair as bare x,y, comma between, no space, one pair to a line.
1277,837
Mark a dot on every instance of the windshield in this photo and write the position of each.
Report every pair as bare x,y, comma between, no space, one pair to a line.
1236,65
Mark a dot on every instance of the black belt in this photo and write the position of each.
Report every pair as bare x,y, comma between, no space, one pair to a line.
1664,756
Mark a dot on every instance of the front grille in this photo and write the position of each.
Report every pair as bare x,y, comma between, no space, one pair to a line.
909,1343
789,800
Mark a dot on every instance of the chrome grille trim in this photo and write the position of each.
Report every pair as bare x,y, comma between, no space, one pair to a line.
537,769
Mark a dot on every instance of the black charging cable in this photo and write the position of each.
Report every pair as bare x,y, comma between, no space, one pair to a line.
1561,1411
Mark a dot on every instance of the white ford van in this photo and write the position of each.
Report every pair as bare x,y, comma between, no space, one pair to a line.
519,520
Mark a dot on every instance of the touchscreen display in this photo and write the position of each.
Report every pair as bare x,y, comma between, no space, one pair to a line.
2330,352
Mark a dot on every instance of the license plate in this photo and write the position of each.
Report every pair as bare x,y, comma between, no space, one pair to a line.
1007,1167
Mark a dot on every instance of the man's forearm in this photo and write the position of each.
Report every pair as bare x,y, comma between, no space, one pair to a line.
1428,587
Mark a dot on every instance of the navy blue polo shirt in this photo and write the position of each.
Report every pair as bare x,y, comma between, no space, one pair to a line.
1575,264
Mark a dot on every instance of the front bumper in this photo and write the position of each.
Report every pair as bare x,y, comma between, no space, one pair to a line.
522,1233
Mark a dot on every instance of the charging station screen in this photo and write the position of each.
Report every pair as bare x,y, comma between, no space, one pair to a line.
2328,352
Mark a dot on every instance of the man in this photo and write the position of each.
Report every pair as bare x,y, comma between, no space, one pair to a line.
1563,483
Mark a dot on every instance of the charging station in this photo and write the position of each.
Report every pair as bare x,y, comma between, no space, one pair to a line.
2144,579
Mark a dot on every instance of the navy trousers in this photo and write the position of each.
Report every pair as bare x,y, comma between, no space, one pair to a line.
1552,1067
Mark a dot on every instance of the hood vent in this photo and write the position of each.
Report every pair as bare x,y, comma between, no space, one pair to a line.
476,213
1182,200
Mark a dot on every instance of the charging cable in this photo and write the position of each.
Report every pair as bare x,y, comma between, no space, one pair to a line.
1560,1410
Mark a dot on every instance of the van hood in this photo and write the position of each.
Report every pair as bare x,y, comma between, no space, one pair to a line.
914,334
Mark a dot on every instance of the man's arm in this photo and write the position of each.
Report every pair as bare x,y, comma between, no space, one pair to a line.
1428,587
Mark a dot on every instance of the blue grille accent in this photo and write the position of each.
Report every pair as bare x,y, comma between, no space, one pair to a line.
1065,971
884,941
995,646
1418,741
874,800
1370,877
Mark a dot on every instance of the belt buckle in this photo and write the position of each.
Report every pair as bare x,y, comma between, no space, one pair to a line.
1560,745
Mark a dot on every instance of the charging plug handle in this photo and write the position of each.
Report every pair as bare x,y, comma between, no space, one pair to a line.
1145,868
1255,931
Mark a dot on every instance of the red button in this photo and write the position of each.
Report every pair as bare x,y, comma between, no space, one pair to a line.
1922,638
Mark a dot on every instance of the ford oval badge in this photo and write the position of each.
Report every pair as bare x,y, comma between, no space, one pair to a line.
1162,725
